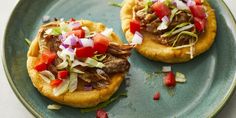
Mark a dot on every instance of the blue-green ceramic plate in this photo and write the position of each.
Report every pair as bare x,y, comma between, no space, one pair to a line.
211,76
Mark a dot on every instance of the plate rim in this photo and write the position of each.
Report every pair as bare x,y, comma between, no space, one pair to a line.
34,112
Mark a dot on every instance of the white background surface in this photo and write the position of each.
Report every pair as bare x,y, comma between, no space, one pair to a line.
11,107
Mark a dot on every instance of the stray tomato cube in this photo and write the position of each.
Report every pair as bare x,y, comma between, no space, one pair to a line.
101,114
135,26
40,65
101,43
156,96
169,80
55,82
62,74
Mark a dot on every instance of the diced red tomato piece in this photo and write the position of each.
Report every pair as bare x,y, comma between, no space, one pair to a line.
40,65
134,26
198,11
48,57
199,2
156,96
161,9
101,114
200,24
80,33
169,80
84,52
101,43
72,19
63,74
55,82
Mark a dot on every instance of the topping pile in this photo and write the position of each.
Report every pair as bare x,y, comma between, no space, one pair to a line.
72,53
176,23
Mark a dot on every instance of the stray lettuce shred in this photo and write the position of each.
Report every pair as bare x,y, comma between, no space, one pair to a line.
104,104
27,41
116,4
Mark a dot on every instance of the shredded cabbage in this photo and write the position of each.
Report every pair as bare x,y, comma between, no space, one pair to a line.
46,79
188,45
77,71
62,88
99,57
173,13
76,63
47,74
170,33
93,63
73,82
62,65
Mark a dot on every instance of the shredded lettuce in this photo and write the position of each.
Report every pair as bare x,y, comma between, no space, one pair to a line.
170,33
47,74
173,13
27,41
99,57
62,88
93,63
53,31
147,4
185,33
76,71
104,104
73,82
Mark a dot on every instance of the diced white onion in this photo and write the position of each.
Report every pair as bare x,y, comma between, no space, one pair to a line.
86,42
181,5
54,107
62,88
191,3
164,23
137,39
107,32
73,82
47,74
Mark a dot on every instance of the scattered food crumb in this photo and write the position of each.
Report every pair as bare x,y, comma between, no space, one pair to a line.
180,77
54,107
166,69
157,96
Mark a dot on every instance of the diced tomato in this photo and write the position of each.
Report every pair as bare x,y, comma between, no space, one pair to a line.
161,9
134,26
169,80
199,2
84,52
55,82
200,24
72,19
40,65
156,96
63,74
80,33
101,114
101,43
48,57
198,11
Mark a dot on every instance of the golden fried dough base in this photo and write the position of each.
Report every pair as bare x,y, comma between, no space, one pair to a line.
155,51
78,98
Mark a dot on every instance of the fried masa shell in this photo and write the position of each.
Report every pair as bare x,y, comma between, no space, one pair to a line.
78,98
155,51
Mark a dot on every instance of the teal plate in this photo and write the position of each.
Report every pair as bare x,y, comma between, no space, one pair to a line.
211,76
